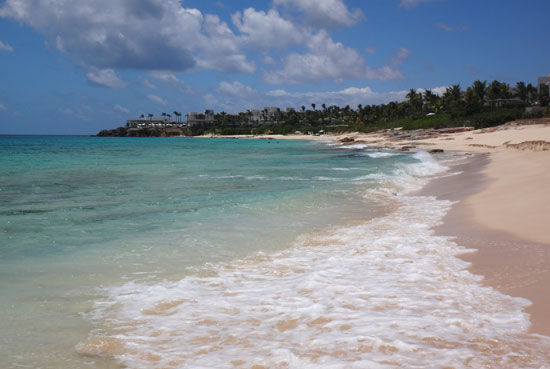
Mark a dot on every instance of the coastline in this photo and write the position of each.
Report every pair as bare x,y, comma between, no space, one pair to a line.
513,264
502,203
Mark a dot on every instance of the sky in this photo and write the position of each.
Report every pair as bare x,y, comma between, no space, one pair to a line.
79,66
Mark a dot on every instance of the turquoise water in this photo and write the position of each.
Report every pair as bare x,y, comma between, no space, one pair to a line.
220,253
77,213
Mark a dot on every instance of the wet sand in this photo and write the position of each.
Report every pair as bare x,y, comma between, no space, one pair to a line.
511,264
503,208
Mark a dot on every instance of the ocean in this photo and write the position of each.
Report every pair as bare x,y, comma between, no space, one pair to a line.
224,253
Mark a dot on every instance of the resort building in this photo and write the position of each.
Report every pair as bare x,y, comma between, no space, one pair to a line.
153,123
271,113
200,119
543,81
267,115
499,103
254,116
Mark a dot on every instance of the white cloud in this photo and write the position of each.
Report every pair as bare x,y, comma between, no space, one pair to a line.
124,34
412,3
229,64
324,13
223,51
105,78
165,76
267,30
350,96
147,83
121,108
157,99
331,60
235,88
370,50
401,56
6,47
2,107
269,60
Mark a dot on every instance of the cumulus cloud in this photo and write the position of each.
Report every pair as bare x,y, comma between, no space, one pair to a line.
350,96
157,99
331,60
267,30
171,80
121,108
269,60
235,88
126,34
105,78
6,47
324,13
401,56
165,76
145,82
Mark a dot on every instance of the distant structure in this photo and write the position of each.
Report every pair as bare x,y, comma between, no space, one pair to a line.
152,122
200,119
499,103
267,115
543,81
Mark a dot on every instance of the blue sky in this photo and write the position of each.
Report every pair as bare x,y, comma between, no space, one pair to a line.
78,66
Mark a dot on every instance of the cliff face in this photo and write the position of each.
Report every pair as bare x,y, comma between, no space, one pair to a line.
144,132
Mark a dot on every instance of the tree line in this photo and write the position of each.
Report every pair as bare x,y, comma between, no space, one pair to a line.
480,105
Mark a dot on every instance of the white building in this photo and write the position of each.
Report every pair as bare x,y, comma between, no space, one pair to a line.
200,119
152,123
543,81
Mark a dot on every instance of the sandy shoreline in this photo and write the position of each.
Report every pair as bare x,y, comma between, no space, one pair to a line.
503,211
503,207
512,265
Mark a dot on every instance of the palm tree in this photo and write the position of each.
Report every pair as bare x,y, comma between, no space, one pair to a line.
313,106
430,99
303,109
141,116
521,91
411,95
480,89
150,116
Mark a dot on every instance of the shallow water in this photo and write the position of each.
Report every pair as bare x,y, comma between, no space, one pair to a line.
192,253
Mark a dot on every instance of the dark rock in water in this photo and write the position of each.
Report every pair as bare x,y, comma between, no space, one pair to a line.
433,151
347,139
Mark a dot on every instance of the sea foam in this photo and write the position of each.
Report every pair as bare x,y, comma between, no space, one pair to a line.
385,293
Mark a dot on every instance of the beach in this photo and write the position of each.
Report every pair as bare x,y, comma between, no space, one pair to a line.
504,213
503,206
268,253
